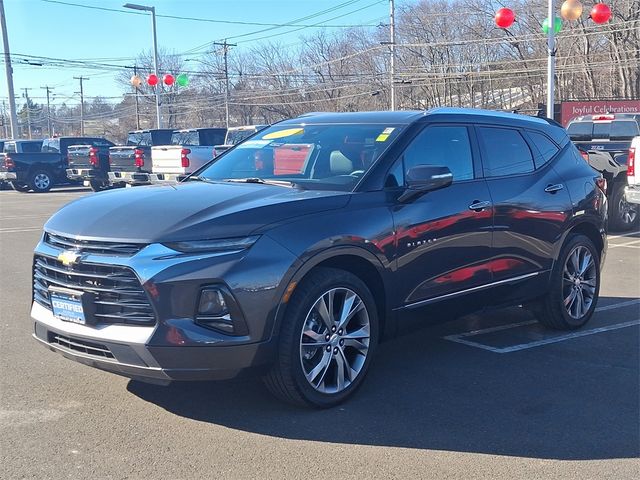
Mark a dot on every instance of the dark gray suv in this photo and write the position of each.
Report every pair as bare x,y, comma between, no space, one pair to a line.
294,253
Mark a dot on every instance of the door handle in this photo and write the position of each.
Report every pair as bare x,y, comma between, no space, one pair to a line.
554,188
478,206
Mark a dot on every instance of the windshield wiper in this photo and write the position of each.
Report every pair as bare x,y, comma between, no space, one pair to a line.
198,179
278,183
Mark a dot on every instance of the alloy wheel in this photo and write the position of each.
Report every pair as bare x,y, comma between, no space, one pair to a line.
627,212
579,282
334,342
41,181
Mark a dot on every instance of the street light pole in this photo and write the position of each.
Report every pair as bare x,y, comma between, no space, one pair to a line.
392,62
9,71
551,59
145,8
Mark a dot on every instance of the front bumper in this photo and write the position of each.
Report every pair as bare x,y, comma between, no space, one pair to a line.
175,347
632,194
129,178
8,176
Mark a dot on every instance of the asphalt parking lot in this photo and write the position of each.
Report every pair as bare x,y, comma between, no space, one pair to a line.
490,395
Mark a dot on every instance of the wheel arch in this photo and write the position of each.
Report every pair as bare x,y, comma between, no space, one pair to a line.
356,260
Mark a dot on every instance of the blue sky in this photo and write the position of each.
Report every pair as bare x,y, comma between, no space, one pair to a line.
42,28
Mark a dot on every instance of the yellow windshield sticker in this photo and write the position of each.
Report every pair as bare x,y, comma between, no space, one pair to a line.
283,133
385,134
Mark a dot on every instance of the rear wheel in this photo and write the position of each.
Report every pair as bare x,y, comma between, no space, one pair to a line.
20,187
41,181
327,340
574,287
623,215
98,185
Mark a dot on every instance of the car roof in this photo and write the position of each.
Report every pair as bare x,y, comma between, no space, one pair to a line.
397,117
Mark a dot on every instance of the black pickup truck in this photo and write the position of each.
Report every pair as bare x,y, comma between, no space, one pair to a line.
604,141
39,171
131,163
90,164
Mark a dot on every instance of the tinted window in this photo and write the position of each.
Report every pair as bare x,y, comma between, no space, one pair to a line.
31,147
51,145
185,138
580,130
624,130
504,152
546,148
10,148
442,145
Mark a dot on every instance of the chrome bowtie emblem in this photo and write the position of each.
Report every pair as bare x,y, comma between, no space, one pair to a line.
69,257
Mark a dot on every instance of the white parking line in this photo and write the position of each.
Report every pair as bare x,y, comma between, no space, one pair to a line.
630,234
18,230
461,337
626,244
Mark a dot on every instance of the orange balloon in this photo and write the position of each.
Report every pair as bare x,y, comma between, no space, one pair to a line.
136,81
571,10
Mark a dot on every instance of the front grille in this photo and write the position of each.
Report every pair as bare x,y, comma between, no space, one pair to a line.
77,345
118,294
91,246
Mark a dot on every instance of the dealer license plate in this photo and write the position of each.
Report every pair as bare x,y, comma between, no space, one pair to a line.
68,307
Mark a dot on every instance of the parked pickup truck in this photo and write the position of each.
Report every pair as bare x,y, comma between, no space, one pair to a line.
189,150
235,135
41,170
90,164
605,141
131,163
632,191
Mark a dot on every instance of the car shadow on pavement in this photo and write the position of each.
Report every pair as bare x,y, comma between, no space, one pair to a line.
426,393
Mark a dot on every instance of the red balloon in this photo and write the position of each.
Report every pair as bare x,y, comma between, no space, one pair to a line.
168,79
152,79
505,17
600,13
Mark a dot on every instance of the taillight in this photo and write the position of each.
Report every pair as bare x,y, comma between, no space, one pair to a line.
585,156
631,162
603,118
184,157
8,162
138,154
93,156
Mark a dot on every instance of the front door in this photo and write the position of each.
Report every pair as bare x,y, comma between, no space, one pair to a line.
444,236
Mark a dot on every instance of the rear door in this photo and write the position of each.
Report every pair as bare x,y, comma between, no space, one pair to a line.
443,237
530,200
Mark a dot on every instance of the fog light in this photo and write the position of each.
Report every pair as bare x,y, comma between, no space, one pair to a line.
212,303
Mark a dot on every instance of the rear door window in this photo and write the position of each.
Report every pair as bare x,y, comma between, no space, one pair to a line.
31,147
504,152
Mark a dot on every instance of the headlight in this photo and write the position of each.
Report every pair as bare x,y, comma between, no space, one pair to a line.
222,245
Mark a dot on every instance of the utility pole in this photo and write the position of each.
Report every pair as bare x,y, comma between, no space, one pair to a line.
48,89
392,62
26,96
225,50
81,92
135,72
9,72
551,59
4,119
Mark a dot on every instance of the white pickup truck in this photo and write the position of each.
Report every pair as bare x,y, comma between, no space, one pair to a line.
189,150
235,135
632,190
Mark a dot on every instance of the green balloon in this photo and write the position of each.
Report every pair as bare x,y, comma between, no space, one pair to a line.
557,25
182,80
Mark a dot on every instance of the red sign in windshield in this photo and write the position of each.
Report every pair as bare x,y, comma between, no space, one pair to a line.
571,110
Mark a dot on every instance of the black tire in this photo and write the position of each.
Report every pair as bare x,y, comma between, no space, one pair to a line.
550,309
286,379
98,185
20,187
623,216
40,181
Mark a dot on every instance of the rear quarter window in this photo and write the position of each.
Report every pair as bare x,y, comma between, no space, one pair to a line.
546,149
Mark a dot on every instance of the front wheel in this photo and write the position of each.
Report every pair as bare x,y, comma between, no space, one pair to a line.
623,216
41,181
574,286
327,340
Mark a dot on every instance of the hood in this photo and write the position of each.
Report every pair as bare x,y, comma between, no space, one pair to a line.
187,211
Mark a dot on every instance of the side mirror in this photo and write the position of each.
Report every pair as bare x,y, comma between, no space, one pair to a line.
425,178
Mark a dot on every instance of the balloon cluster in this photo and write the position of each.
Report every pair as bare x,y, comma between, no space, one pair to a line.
152,80
570,10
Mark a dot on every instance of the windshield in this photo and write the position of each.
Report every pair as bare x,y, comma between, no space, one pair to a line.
234,137
319,157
